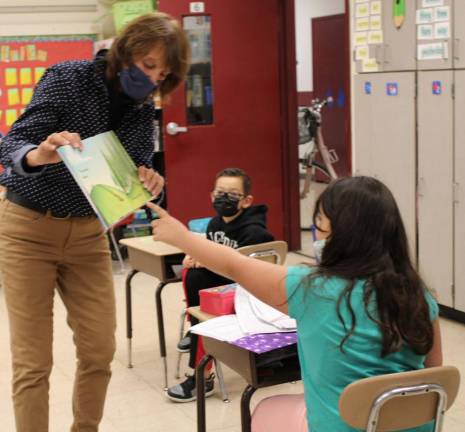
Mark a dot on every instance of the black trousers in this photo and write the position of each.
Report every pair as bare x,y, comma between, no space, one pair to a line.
197,279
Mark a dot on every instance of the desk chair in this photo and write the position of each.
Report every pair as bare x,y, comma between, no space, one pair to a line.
401,400
274,252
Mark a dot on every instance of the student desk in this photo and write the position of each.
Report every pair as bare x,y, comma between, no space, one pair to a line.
154,258
252,367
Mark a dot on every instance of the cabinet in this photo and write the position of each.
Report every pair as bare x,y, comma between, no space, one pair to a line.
435,179
459,188
384,126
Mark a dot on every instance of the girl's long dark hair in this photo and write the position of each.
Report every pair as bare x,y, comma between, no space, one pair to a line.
368,241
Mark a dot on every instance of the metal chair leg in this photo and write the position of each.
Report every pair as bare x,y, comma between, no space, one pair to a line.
117,251
200,381
161,331
129,277
181,334
219,373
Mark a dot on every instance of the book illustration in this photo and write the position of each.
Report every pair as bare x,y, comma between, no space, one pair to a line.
107,176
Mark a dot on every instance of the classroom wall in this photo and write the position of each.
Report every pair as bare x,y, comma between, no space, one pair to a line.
305,10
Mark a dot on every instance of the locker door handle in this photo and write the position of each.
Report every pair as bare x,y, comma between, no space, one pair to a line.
378,51
387,54
457,49
421,187
455,193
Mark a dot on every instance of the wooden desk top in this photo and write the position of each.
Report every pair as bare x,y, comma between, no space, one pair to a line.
200,315
148,245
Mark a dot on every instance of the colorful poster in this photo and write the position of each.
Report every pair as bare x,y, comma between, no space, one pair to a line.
23,61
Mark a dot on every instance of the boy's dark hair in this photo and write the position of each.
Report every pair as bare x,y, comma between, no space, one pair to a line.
237,172
368,242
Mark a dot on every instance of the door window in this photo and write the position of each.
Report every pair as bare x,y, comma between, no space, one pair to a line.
199,96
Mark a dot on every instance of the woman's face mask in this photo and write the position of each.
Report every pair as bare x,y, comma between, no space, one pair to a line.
318,246
135,83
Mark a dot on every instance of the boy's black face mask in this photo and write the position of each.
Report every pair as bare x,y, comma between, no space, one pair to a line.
226,206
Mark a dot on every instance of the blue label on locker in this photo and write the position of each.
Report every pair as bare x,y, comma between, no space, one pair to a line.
368,87
392,89
437,87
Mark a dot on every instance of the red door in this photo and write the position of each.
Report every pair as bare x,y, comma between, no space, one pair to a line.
331,77
232,105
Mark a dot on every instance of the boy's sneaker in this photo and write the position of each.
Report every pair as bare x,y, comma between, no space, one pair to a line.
184,345
187,392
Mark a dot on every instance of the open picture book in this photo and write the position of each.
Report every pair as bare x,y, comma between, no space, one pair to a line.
107,176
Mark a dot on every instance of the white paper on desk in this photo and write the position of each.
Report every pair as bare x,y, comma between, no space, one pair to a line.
254,316
224,328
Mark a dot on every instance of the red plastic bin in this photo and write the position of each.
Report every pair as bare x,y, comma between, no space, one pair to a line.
218,300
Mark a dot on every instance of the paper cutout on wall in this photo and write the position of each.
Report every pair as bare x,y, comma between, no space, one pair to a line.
25,76
11,77
375,37
38,72
13,97
375,22
362,24
430,3
433,51
442,30
26,95
11,116
360,38
375,8
362,10
399,13
425,31
370,65
362,52
424,16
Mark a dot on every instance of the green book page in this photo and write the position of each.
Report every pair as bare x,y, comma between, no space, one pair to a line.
107,176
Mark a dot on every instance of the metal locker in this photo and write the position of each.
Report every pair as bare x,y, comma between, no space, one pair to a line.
396,48
434,38
459,34
363,124
435,195
384,116
459,204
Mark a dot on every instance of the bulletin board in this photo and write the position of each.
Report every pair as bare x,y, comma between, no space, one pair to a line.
23,60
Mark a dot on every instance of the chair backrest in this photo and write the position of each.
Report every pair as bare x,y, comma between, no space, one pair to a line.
274,251
400,400
199,225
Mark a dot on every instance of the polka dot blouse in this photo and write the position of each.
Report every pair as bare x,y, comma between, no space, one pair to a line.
71,96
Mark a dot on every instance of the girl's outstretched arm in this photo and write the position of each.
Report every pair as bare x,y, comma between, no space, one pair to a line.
264,280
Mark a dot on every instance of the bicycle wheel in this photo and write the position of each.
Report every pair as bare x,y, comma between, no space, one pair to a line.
319,172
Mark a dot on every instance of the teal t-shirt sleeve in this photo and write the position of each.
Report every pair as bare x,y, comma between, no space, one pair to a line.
295,289
432,304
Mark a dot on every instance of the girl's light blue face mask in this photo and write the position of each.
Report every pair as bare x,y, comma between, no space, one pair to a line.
318,246
135,83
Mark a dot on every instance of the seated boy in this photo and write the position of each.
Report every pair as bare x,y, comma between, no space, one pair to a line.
237,224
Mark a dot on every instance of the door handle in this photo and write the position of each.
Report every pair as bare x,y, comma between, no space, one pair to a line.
457,49
173,128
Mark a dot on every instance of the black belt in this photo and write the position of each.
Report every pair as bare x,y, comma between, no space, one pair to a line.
25,202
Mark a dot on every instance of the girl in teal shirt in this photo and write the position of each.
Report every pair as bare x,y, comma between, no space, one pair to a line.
363,311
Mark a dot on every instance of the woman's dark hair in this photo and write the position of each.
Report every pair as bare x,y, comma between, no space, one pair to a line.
144,33
368,241
237,172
